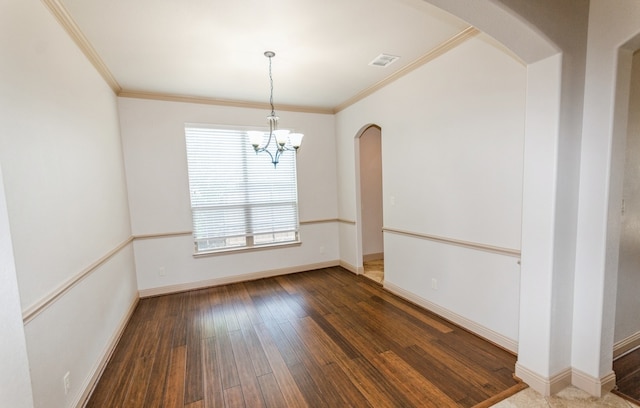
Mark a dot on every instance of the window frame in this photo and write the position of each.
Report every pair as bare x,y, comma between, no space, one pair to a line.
249,237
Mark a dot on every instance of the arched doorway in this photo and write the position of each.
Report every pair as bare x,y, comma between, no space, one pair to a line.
560,332
550,354
369,207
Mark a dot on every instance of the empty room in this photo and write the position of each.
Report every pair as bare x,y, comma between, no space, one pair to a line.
385,203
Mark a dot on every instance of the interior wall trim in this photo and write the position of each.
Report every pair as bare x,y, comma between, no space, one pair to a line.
593,385
543,385
97,370
570,376
183,287
127,93
320,221
344,221
434,53
627,345
163,235
66,21
34,310
351,268
467,244
482,331
64,18
372,257
187,233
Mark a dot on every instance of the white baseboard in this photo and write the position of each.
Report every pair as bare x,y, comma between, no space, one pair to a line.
183,287
550,386
372,257
593,385
543,385
352,268
626,345
468,324
98,369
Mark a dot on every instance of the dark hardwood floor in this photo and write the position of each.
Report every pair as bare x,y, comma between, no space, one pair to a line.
324,338
627,369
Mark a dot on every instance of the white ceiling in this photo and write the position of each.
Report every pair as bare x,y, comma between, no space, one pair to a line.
214,48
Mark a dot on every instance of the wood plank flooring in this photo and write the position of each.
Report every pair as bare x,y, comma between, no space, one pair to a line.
627,369
324,338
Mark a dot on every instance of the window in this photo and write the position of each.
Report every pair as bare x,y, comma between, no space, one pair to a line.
238,198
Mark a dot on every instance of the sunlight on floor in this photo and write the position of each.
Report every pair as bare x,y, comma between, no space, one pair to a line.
374,270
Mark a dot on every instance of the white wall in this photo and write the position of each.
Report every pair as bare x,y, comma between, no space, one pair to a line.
452,167
601,172
40,87
155,157
628,293
551,37
66,197
15,381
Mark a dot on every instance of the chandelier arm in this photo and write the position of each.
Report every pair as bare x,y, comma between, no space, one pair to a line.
266,146
273,124
277,158
274,160
271,136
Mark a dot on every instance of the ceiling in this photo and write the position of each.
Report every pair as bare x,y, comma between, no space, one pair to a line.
213,49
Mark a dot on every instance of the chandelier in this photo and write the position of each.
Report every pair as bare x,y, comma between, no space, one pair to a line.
282,139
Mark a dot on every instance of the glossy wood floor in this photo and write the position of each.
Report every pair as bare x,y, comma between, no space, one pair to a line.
627,369
324,338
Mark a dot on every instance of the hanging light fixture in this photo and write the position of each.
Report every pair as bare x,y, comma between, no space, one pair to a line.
282,139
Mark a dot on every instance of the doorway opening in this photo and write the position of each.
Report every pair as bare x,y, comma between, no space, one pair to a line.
626,351
370,217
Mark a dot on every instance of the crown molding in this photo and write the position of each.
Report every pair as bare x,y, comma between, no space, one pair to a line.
434,53
442,48
66,21
220,102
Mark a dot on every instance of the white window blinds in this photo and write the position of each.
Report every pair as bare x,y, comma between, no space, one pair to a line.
238,198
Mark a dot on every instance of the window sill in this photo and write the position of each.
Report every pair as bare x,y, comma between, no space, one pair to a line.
228,251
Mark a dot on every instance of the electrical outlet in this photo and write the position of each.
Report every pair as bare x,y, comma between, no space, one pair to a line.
322,249
434,284
162,271
66,380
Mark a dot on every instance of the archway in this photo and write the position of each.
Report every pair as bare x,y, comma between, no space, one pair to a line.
574,295
369,211
565,291
551,138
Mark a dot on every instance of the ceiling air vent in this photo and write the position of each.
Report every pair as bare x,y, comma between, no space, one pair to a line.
383,60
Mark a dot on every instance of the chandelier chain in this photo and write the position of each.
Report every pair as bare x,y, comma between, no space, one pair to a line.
273,111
